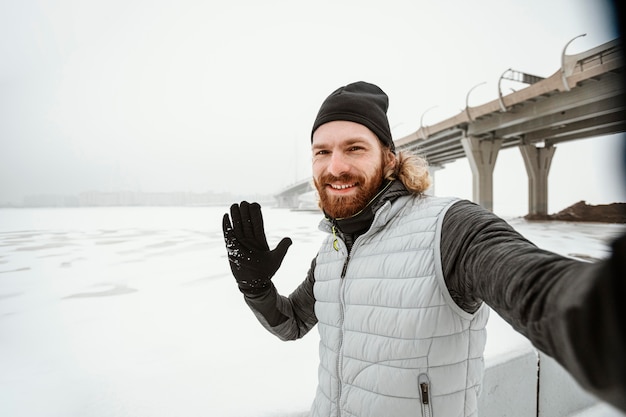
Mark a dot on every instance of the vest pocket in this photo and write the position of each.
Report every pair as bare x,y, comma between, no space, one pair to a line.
423,384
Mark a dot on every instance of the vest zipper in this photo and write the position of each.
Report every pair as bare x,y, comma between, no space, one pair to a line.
342,304
345,267
424,387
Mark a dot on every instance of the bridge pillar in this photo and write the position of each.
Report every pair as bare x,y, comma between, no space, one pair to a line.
537,162
431,170
482,155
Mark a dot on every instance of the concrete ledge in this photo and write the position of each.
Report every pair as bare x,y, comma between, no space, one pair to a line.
510,383
522,382
510,386
559,394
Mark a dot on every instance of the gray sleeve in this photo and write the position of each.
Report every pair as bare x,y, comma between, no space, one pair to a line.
485,259
288,318
570,310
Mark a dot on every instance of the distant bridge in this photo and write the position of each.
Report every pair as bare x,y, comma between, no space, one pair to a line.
584,98
290,195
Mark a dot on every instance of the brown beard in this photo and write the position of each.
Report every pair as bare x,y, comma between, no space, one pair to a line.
346,206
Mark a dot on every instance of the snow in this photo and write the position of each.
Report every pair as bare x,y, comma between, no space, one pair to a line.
134,312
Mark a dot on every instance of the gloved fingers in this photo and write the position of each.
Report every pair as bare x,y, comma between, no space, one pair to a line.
246,222
235,215
232,248
256,220
227,228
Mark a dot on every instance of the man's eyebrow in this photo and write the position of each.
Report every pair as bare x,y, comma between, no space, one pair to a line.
356,140
347,142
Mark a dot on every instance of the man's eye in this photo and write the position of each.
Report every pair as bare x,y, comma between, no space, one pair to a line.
321,152
355,148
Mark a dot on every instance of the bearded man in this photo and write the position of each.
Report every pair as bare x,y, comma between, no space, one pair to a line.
400,287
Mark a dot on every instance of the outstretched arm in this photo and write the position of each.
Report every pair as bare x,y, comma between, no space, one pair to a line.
573,311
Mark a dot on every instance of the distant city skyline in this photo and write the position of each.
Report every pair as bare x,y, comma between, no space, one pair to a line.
135,198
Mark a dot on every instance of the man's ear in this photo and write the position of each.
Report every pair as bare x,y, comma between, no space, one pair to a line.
391,162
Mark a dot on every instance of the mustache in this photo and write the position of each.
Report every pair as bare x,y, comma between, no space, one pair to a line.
329,178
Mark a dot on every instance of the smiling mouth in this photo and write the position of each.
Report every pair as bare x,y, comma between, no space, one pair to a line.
341,186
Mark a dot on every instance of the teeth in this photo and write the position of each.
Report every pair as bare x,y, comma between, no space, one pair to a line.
341,187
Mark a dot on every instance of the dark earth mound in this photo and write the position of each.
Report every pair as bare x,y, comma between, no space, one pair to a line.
583,212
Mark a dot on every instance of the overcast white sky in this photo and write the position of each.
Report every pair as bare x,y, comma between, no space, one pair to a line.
220,96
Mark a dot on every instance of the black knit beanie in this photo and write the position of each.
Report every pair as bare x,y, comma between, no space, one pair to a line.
359,102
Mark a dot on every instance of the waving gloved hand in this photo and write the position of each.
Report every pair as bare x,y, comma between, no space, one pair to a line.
252,262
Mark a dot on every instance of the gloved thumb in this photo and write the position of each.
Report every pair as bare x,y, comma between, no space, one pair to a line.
281,248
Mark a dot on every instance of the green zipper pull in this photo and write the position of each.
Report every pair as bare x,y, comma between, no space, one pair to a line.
335,241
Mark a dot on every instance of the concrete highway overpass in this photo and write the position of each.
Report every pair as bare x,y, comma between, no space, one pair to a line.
582,99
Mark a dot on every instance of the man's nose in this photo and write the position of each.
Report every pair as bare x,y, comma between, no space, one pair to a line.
338,164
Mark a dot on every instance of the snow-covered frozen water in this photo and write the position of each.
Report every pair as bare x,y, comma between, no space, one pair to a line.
134,312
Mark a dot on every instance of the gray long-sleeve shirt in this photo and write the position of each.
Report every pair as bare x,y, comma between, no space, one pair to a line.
549,298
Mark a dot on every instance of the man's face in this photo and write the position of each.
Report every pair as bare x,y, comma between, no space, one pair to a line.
347,167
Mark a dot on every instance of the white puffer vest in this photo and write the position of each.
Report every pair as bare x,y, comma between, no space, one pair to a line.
392,340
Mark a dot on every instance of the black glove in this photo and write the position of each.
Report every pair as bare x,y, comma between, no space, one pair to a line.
252,262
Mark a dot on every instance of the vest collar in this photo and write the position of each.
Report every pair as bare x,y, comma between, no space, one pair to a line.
360,222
